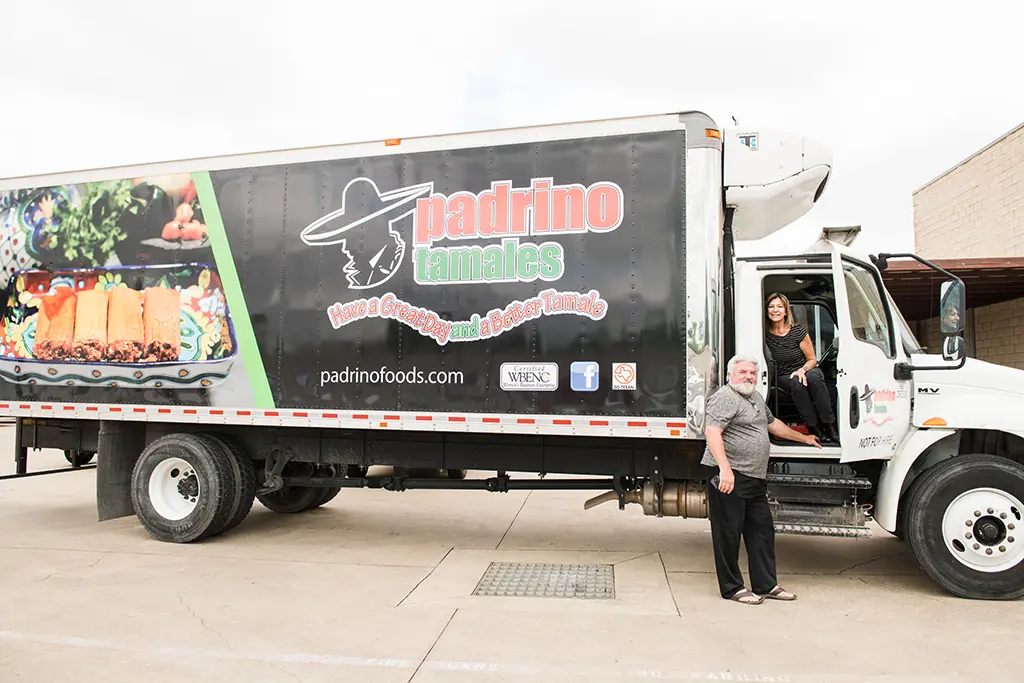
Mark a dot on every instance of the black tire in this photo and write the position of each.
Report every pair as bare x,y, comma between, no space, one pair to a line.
291,499
212,470
456,474
79,458
901,512
244,476
328,493
928,500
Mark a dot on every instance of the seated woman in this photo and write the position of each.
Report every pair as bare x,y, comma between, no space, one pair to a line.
796,369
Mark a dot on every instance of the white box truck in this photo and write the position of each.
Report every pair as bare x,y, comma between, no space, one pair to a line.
553,299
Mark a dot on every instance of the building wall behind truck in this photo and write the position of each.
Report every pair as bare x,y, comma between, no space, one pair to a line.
976,210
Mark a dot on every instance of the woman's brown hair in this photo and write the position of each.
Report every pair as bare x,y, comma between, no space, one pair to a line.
789,319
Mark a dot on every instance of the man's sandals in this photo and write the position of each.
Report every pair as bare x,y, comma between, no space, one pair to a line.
746,597
778,593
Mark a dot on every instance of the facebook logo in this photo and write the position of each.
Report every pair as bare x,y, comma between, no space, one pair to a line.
583,376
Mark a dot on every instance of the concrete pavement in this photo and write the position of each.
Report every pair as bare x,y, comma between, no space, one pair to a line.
377,586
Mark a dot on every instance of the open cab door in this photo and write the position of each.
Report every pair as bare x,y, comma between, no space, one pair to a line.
873,412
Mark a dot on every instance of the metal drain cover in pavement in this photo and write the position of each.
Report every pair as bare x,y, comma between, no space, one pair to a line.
529,580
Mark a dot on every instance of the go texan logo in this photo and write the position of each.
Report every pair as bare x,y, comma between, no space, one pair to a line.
367,228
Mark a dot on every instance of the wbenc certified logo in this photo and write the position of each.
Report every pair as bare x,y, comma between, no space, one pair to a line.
529,376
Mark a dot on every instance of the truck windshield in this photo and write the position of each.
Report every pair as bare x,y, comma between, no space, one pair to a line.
910,343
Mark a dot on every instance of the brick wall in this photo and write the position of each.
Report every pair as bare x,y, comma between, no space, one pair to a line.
977,209
999,333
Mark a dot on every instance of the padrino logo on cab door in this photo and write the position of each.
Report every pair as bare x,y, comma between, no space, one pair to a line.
505,234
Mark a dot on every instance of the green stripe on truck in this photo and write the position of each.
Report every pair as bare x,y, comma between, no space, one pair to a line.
233,291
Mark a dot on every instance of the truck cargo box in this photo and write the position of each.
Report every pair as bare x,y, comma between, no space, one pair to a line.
531,280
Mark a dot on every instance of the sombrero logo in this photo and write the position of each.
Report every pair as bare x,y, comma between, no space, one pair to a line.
370,218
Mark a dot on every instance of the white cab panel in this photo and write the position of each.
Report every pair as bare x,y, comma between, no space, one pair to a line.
771,178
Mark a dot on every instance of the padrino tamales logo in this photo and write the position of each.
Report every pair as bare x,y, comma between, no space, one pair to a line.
371,220
501,235
541,210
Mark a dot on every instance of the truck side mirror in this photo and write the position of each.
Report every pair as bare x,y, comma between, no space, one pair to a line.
952,302
953,348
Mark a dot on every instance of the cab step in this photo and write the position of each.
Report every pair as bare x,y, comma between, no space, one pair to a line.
820,530
810,499
814,481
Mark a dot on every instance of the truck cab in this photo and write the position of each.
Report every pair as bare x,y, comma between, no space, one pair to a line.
931,445
858,337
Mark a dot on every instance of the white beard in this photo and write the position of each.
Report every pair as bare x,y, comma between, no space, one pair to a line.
744,388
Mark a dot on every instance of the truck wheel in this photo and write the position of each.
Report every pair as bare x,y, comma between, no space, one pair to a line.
328,493
964,526
291,499
79,458
456,474
901,513
244,478
182,488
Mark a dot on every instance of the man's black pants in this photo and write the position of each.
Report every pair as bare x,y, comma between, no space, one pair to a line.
743,512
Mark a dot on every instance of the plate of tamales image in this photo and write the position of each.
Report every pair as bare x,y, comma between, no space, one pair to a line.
126,326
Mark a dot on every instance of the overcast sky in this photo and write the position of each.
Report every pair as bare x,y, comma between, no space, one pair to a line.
898,90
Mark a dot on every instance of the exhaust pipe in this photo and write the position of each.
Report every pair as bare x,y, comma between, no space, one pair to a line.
688,499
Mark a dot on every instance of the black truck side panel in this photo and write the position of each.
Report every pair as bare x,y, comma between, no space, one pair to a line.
636,268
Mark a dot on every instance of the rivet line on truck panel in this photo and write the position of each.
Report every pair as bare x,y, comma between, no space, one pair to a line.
384,420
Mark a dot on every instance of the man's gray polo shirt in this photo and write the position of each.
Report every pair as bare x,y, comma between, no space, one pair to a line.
744,422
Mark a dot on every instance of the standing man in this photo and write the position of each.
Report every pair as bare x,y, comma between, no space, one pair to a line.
737,424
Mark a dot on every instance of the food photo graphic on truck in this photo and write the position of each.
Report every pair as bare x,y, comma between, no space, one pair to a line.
549,300
112,284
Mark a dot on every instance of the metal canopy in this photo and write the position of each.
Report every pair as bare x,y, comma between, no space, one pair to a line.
915,288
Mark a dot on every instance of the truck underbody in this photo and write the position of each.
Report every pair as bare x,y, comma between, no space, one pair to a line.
808,496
